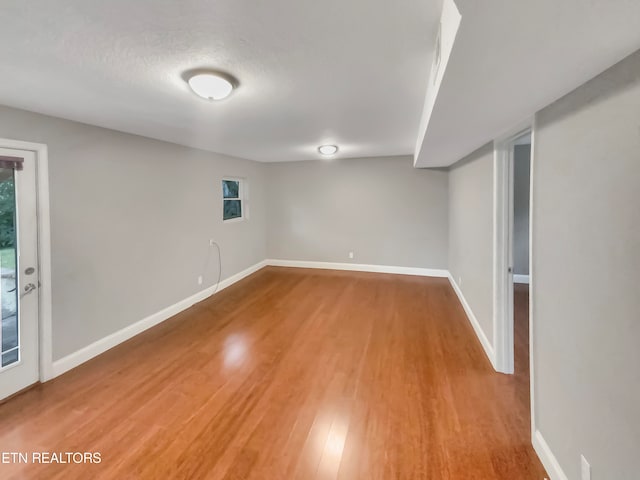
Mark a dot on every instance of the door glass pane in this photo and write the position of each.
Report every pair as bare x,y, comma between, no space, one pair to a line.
8,261
10,357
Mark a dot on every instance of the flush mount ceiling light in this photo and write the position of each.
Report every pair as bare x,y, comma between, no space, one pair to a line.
211,85
327,150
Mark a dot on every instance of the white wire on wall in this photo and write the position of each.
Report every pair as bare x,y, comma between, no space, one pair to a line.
206,264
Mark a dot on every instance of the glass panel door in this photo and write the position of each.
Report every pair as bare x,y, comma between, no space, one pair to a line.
19,293
9,334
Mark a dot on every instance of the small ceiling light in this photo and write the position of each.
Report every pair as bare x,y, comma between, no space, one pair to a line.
328,150
211,86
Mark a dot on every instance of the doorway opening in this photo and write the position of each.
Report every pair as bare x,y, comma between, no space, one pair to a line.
513,329
520,213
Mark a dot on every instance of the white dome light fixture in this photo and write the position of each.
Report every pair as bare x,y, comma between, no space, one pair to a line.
328,150
210,85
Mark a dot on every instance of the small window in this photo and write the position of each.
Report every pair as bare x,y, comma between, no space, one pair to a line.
232,200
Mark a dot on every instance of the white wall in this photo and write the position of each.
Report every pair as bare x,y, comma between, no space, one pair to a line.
382,209
471,233
586,261
131,220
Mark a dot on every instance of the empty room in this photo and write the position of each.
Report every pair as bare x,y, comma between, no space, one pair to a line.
299,240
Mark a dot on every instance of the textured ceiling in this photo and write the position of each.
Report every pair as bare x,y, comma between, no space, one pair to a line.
333,71
512,58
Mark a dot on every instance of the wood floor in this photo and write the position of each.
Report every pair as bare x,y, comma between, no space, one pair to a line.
289,374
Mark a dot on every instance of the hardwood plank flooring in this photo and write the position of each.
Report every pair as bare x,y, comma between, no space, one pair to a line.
288,374
521,337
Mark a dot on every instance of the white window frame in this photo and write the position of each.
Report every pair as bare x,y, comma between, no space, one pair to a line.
241,197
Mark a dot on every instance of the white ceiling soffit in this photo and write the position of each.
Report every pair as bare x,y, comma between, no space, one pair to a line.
351,73
448,29
512,58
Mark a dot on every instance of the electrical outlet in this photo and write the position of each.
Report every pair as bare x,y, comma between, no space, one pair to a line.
200,280
350,254
585,468
211,242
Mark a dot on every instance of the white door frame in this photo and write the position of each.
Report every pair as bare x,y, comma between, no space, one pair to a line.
45,350
503,337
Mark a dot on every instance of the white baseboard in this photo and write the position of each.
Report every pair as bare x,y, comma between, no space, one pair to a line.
484,341
100,346
520,278
358,267
547,457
